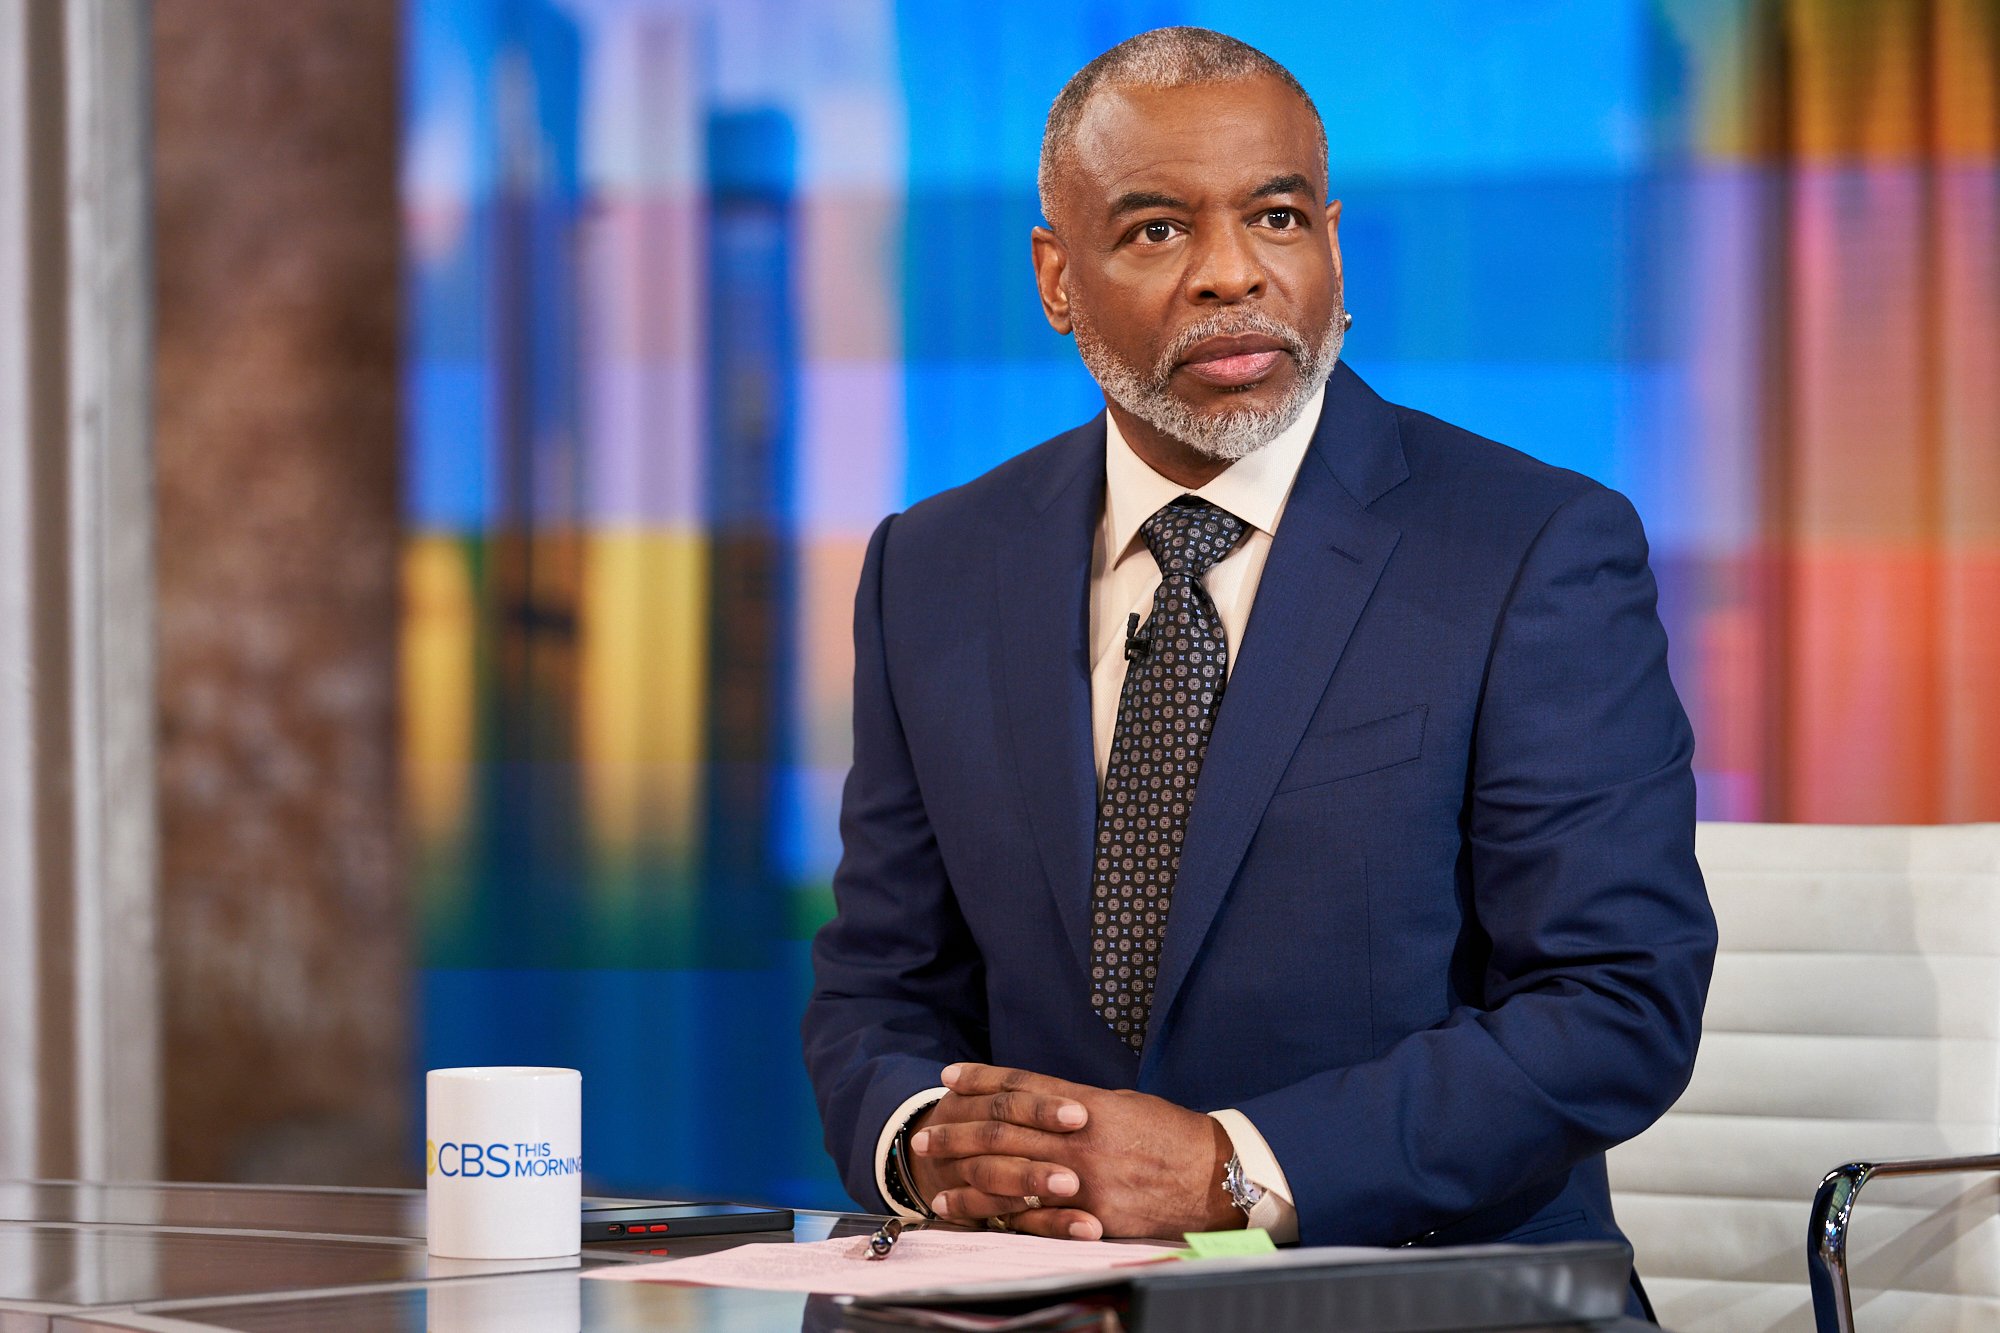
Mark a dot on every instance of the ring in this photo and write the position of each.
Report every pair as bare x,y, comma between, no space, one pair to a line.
1032,1200
998,1224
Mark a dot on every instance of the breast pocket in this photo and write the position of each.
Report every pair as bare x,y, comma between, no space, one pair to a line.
1329,756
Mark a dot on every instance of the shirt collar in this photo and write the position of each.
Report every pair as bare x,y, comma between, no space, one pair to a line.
1253,488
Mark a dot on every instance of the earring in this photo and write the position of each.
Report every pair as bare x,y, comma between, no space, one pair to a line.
1346,320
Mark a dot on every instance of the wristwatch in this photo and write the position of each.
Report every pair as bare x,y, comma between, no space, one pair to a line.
900,1176
1245,1193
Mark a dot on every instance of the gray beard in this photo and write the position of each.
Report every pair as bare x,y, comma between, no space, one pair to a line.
1228,434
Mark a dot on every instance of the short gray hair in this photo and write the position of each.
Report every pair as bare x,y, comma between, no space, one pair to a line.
1162,58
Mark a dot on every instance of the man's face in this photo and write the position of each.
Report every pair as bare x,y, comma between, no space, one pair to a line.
1195,261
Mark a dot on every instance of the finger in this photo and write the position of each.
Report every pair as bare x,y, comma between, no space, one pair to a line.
1038,1110
970,1204
1059,1223
968,1079
1018,1177
972,1138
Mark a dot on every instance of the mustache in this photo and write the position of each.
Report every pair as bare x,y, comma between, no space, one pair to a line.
1222,325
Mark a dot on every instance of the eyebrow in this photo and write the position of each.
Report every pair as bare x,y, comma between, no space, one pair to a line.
1135,201
1292,183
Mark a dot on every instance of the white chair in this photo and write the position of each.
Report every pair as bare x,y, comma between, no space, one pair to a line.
1855,1018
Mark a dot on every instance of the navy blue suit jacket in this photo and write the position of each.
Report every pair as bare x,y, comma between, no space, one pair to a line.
1438,930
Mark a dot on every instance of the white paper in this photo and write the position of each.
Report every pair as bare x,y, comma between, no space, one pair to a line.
921,1259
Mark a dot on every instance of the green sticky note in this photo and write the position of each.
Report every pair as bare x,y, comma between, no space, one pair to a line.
1229,1244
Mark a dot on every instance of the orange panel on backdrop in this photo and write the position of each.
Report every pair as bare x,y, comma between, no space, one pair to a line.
1864,710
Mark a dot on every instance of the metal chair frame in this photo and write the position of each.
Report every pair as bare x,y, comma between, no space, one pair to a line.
1833,1209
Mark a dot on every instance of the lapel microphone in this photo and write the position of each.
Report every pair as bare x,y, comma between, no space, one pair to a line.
1135,647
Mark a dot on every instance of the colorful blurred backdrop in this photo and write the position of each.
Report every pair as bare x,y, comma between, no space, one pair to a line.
698,291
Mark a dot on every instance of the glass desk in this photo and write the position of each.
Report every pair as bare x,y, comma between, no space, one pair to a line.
535,1303
68,1247
523,1303
392,1214
87,1258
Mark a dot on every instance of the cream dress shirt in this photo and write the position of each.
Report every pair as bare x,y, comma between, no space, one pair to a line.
1123,578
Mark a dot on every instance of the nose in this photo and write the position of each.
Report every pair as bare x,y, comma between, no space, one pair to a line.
1223,269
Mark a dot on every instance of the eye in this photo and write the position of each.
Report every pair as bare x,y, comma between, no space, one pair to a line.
1281,219
1156,232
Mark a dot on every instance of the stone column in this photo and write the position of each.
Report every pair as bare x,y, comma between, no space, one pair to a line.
285,934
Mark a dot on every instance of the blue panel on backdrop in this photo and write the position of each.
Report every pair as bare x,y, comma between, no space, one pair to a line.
1603,420
449,407
673,1063
969,280
978,78
1469,88
1543,269
969,416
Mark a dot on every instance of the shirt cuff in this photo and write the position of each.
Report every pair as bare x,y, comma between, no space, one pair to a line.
1275,1211
896,1118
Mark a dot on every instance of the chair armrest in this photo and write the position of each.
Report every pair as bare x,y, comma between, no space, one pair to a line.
1826,1233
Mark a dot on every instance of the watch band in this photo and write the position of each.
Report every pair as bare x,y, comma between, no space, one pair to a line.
898,1177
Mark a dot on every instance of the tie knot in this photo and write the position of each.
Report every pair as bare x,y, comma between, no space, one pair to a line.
1188,536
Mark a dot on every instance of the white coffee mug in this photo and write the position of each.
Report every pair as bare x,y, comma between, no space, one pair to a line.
503,1165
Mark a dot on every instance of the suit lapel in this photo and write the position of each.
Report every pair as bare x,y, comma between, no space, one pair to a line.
1042,587
1324,563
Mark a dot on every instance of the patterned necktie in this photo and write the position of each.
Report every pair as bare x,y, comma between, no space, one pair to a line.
1173,685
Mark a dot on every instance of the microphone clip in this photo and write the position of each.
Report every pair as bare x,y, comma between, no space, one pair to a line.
1135,646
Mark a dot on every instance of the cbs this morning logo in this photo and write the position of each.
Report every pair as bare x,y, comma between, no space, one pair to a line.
497,1161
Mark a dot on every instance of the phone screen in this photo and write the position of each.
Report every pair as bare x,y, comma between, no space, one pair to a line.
672,1210
631,1219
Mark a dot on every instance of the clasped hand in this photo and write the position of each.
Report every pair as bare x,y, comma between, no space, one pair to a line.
1099,1162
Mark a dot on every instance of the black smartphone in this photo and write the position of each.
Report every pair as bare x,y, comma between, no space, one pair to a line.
637,1219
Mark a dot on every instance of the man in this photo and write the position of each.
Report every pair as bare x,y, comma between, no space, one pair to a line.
1269,805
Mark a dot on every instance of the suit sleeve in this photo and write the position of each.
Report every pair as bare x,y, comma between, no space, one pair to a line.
1580,838
898,989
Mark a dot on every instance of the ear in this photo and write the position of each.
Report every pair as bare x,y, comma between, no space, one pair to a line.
1333,241
1051,264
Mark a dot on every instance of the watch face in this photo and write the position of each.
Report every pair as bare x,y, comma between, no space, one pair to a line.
1242,1192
